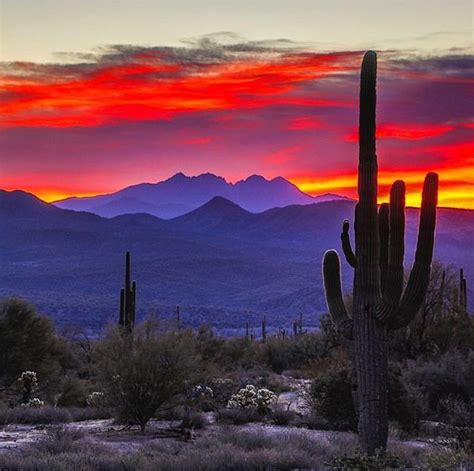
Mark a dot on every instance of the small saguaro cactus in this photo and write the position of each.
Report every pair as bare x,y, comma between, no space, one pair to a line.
127,299
379,302
462,291
178,319
264,329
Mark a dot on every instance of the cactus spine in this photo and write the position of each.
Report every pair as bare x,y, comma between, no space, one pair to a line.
127,299
379,302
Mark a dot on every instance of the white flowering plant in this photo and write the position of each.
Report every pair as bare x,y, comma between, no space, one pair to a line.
29,384
34,403
95,399
201,392
28,380
252,398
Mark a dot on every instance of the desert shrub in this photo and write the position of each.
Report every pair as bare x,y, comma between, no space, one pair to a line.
293,353
28,342
222,389
312,421
450,375
361,462
282,415
238,416
31,415
145,370
277,354
458,422
79,414
405,403
331,399
193,420
446,460
331,396
59,440
72,393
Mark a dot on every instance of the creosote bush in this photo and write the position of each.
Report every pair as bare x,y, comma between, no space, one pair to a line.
144,370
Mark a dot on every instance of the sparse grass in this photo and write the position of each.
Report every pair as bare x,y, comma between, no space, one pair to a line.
238,416
282,416
229,448
49,415
43,415
88,413
194,420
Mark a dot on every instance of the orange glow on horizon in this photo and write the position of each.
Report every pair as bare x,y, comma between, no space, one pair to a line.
453,191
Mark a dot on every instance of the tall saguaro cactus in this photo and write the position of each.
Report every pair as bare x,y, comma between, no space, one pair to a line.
380,303
127,299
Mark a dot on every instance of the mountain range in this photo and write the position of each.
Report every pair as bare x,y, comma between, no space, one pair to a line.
181,194
221,263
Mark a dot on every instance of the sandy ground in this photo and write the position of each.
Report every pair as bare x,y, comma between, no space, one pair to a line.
104,432
14,437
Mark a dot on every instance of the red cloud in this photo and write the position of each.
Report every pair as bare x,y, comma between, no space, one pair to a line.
406,131
150,88
199,141
304,123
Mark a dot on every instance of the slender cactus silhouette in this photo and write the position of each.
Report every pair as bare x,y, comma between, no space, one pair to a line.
127,299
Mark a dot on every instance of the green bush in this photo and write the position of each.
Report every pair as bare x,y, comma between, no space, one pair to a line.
331,397
28,341
145,370
360,462
282,416
41,415
238,416
72,393
193,420
449,376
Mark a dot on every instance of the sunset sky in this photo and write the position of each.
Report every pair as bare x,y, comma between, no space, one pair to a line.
99,95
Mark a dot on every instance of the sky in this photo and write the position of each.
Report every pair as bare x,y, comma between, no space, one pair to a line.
99,95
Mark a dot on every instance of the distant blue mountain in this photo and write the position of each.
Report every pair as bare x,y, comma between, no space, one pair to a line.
180,194
222,264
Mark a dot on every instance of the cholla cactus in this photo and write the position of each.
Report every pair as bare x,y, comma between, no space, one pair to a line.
29,384
201,392
265,397
34,403
95,399
252,398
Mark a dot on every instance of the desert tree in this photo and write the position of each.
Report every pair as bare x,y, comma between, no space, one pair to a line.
28,342
146,370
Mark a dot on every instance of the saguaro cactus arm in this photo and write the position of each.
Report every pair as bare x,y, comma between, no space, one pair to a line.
415,290
346,244
393,286
334,299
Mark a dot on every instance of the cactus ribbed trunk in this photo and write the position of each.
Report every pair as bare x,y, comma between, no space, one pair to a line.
370,347
378,304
